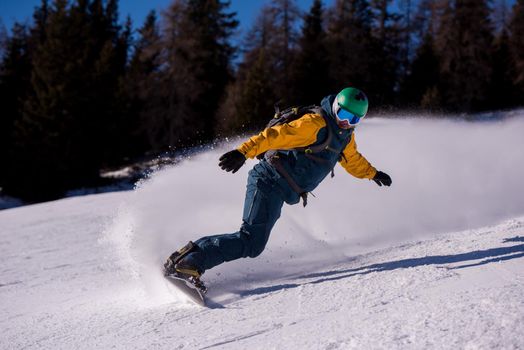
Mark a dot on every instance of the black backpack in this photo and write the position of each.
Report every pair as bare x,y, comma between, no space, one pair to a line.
287,116
293,113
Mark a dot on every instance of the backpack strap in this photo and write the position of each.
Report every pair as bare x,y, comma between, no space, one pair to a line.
274,159
310,150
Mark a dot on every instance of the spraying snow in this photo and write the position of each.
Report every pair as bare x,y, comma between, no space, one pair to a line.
447,176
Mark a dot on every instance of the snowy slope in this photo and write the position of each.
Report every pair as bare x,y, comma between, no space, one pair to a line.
435,261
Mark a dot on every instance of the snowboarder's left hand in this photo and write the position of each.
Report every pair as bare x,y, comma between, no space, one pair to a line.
232,161
382,179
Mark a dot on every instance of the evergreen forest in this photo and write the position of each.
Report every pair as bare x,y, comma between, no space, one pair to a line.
84,89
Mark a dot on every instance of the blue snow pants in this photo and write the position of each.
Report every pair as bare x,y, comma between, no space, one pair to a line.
262,209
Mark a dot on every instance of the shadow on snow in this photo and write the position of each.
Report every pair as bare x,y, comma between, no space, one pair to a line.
468,260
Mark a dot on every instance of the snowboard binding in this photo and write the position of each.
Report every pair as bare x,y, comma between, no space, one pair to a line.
175,268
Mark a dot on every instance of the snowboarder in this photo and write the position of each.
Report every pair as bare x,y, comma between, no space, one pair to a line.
292,166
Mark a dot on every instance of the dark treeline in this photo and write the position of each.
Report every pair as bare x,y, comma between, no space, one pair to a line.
81,91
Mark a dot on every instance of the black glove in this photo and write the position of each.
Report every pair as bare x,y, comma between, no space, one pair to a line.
232,161
382,179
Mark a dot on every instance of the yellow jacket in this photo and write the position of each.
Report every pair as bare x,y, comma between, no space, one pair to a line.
301,133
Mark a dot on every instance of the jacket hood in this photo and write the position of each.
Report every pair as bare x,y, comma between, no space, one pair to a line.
326,104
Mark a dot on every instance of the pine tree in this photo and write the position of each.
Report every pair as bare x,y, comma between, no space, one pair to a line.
107,45
250,98
3,38
249,103
407,16
382,17
420,87
500,15
38,30
39,132
350,47
311,79
15,71
421,83
501,90
63,135
198,67
387,54
141,86
264,75
120,135
464,46
285,39
516,43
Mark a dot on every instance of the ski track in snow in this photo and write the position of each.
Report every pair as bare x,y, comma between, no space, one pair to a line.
435,261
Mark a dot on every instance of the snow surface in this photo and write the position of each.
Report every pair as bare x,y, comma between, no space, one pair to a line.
435,261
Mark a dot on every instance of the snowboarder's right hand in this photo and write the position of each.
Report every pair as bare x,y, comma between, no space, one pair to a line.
232,161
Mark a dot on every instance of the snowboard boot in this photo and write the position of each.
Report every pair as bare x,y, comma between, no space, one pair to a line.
175,266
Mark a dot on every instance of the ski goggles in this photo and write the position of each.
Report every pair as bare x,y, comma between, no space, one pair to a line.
351,118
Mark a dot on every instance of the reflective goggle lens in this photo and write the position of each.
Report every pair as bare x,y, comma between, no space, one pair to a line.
342,114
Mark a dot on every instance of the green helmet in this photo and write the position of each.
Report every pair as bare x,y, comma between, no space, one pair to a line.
353,100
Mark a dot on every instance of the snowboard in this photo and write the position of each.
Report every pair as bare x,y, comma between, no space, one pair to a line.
189,289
